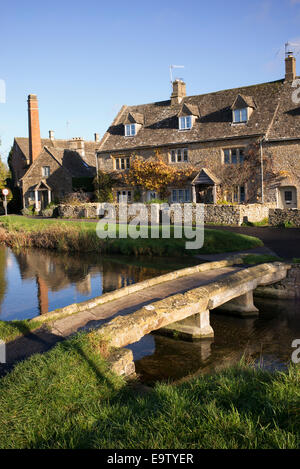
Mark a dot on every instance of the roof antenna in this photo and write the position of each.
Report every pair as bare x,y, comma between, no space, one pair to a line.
171,69
288,48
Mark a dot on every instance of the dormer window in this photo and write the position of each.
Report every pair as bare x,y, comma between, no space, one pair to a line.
133,123
130,130
185,123
242,109
187,115
240,115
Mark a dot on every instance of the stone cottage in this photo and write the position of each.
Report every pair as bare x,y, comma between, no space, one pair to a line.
212,132
46,170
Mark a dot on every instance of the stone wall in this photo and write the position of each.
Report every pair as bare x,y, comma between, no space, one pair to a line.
215,214
280,216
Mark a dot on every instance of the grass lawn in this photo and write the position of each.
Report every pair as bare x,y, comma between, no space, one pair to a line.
81,236
68,398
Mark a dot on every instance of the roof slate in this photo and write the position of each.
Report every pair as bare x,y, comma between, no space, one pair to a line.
61,145
214,121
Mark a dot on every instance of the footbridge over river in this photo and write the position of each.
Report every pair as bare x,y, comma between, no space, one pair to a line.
188,312
178,301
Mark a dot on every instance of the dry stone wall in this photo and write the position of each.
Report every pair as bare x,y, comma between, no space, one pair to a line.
214,214
278,216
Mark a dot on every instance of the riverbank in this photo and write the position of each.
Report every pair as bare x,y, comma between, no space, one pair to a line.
21,232
68,398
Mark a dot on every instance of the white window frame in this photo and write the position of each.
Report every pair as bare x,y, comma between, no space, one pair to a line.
180,155
124,193
121,163
184,194
183,122
47,168
130,130
240,111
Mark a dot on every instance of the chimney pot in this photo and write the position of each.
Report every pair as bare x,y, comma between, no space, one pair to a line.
290,67
51,134
97,137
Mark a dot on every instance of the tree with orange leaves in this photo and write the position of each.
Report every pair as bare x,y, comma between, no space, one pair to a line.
155,174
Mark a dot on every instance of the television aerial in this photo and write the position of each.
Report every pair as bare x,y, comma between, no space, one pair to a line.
171,70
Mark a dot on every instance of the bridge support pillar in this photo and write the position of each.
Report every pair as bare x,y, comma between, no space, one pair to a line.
196,326
242,306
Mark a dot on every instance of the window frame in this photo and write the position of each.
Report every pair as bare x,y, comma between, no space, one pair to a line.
184,119
237,194
127,193
43,171
121,163
179,155
239,152
187,196
128,130
240,111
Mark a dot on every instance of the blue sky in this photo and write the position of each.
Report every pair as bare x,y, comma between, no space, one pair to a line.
84,59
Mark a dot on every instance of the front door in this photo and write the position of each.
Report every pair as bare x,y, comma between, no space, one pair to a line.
288,196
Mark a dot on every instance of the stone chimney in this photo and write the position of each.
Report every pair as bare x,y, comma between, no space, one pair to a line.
77,144
97,138
35,145
179,92
51,134
290,67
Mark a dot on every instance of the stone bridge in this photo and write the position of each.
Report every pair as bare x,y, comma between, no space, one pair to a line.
188,313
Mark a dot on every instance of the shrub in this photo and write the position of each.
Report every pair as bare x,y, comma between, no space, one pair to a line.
157,201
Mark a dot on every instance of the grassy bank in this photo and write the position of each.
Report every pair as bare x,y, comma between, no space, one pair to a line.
22,232
10,330
68,398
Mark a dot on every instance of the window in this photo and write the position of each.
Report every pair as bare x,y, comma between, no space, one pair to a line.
46,171
240,115
180,155
124,196
237,195
181,195
130,130
234,156
185,123
122,163
288,196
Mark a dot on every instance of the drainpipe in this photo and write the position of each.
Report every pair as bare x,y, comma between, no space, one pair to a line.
96,163
262,170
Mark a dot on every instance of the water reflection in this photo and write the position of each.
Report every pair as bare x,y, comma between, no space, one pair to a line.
265,341
34,282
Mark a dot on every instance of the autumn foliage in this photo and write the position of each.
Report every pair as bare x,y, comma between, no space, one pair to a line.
155,174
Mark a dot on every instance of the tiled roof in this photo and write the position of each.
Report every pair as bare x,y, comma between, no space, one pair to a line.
61,145
274,114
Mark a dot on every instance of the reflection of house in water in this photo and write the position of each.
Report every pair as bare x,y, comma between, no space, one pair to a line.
56,271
